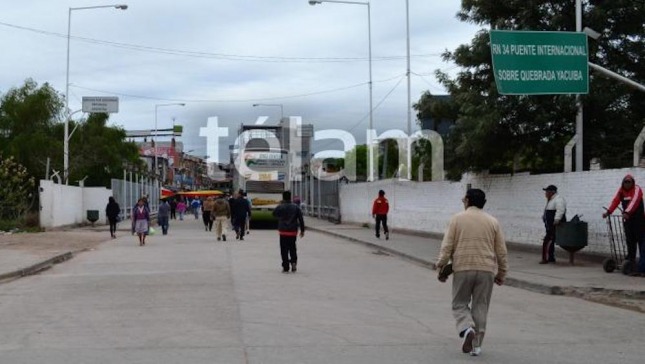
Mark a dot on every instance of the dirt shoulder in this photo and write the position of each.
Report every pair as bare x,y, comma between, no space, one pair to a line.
53,242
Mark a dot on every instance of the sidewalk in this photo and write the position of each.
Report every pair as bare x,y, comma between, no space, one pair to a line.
586,279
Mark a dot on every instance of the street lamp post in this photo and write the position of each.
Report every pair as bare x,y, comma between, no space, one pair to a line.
67,111
277,105
155,149
369,42
409,104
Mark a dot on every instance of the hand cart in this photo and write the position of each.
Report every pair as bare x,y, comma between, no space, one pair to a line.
617,246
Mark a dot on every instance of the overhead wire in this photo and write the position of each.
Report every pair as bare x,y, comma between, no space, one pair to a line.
231,100
223,56
378,104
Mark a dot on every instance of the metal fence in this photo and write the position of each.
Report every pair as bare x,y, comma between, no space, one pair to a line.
319,198
127,192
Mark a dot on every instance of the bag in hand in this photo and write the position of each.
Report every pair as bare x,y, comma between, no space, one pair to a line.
445,272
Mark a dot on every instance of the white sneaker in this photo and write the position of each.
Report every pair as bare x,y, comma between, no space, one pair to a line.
476,351
469,336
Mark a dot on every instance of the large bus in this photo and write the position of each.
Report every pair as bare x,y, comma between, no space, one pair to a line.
263,176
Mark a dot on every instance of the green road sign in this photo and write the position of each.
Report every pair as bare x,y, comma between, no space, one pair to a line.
539,63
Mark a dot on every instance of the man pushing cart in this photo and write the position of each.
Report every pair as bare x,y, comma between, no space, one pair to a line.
632,232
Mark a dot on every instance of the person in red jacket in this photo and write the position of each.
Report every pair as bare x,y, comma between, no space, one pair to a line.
630,196
380,208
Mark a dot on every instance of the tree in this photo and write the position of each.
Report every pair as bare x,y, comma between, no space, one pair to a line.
356,158
27,118
388,159
437,109
31,132
511,133
99,152
16,189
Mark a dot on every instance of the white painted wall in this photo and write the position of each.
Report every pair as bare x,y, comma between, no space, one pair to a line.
62,205
517,201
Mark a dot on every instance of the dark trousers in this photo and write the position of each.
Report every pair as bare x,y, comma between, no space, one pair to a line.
381,219
173,213
238,223
206,217
112,226
163,222
548,244
633,232
288,250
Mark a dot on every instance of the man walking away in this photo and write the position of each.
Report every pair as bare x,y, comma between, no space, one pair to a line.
475,243
207,208
112,211
289,220
173,209
163,216
221,214
196,205
239,210
555,212
380,208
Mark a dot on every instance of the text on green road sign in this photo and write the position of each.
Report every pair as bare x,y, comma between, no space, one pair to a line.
526,62
538,50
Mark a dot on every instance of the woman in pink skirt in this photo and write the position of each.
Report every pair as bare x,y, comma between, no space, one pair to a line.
140,221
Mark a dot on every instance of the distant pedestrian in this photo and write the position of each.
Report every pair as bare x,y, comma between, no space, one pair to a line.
181,209
221,214
247,222
207,208
630,196
289,221
112,211
141,221
173,209
239,211
475,244
380,208
555,212
196,204
163,216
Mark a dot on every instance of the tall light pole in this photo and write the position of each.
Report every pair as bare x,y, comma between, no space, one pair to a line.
579,114
277,105
369,42
67,110
157,106
409,105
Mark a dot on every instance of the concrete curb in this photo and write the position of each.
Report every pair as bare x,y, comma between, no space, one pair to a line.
38,267
570,291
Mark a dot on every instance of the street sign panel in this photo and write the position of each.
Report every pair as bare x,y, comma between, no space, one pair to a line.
540,63
101,104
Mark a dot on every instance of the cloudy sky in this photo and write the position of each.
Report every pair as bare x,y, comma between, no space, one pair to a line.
219,57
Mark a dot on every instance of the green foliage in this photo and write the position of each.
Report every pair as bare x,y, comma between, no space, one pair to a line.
515,133
16,189
357,158
27,118
99,152
31,132
388,158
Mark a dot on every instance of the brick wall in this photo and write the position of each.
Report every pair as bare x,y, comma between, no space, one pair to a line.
517,201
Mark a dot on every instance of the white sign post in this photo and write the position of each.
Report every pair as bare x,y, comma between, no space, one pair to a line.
107,105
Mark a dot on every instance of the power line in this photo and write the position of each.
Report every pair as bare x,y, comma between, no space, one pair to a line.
229,100
361,120
427,82
222,56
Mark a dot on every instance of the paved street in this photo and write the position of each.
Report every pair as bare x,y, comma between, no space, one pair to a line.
186,298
